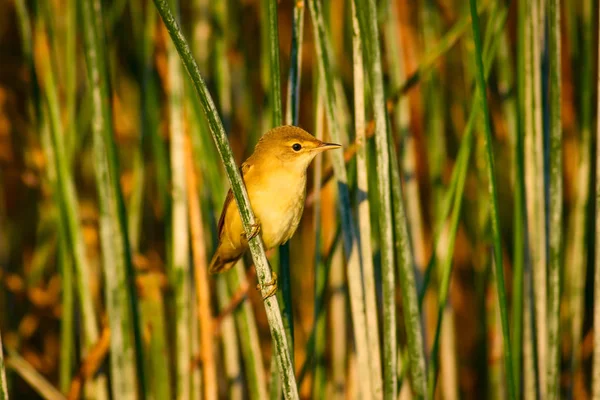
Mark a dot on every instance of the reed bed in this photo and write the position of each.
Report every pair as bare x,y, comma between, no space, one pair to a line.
448,250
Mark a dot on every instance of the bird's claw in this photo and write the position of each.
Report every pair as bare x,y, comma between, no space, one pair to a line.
272,283
254,230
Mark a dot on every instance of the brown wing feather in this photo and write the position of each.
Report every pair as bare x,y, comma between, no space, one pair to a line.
243,170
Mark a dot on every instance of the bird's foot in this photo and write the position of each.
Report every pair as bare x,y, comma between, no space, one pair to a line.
254,230
272,284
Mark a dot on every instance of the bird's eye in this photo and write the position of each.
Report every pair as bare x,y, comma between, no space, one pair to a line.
296,146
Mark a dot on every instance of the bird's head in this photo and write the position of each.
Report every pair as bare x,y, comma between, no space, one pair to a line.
291,146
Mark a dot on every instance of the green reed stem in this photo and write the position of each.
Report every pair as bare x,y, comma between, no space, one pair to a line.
232,362
447,267
367,16
241,197
441,47
493,35
556,201
498,266
319,337
179,268
596,352
364,218
576,246
67,327
249,338
121,293
67,200
3,384
356,292
408,287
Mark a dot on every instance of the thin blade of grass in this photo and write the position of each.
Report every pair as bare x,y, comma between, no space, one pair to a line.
498,265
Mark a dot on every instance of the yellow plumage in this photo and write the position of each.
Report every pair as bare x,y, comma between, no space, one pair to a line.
275,178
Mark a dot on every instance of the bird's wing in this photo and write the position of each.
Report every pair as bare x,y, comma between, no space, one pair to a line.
243,170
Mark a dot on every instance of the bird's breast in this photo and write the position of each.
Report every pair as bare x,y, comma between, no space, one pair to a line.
278,202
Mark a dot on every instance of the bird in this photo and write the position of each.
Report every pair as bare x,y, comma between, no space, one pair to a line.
275,179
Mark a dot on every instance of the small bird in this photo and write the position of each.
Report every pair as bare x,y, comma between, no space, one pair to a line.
275,178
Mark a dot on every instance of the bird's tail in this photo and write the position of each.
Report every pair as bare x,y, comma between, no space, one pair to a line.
218,264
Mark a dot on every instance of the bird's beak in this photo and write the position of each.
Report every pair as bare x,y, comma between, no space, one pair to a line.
327,146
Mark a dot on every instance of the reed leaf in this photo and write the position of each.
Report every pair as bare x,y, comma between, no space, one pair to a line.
241,198
498,266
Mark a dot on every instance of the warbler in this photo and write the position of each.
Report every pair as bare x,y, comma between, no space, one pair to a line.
275,178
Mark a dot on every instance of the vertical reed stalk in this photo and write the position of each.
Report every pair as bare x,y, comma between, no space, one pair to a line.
521,239
283,269
576,251
536,238
447,267
412,320
292,109
320,314
356,293
555,203
223,69
249,339
367,16
179,223
498,266
231,353
67,326
3,384
337,384
408,287
120,287
596,352
535,169
241,197
66,195
529,359
292,105
209,372
364,218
